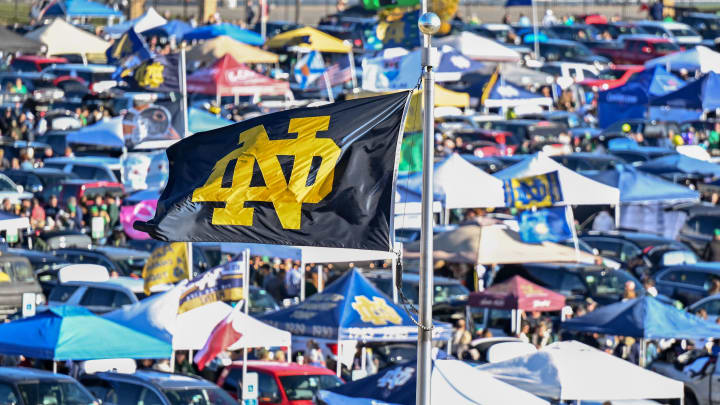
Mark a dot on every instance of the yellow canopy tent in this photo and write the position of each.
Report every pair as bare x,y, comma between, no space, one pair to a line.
216,48
311,39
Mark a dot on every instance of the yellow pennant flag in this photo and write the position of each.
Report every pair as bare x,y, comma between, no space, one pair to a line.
167,264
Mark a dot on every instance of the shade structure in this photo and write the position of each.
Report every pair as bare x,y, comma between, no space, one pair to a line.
699,58
75,333
518,293
701,94
227,77
451,382
458,184
309,39
12,42
639,187
200,120
104,133
570,370
80,8
677,164
216,48
350,308
174,28
644,317
151,19
60,38
224,29
493,244
576,188
479,48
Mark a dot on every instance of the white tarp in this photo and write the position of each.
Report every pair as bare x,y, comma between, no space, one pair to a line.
479,48
576,188
147,21
62,38
699,58
574,371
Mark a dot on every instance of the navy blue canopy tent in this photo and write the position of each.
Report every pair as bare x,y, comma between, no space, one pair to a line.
75,333
701,94
644,317
631,100
675,165
350,308
80,8
174,28
233,31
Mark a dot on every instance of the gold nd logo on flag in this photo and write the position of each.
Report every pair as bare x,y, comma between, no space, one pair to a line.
377,311
230,180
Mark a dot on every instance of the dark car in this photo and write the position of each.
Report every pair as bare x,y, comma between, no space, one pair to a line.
655,133
639,155
123,261
16,278
145,387
528,129
687,283
706,24
700,224
43,182
33,63
655,251
45,266
52,240
488,164
588,162
615,29
586,34
575,281
559,50
29,386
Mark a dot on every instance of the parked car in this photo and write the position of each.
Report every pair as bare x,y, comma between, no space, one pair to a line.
588,162
89,168
687,283
711,306
681,33
706,24
642,154
702,387
636,50
98,297
146,387
10,190
528,129
42,182
123,261
558,50
497,32
34,63
280,383
44,265
588,35
97,78
16,278
620,28
700,224
612,77
29,386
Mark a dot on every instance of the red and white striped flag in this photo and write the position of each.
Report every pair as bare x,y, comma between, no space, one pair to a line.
223,336
339,73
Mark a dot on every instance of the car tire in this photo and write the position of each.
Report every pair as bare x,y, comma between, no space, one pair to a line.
690,398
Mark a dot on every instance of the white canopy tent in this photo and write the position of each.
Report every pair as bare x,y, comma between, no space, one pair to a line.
63,38
147,21
479,48
576,188
573,371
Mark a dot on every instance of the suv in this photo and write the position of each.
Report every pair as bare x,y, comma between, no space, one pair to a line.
89,167
145,387
98,78
280,383
123,261
17,278
559,50
99,297
687,283
706,24
27,386
700,225
42,182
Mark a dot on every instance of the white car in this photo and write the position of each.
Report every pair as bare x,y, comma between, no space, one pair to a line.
681,33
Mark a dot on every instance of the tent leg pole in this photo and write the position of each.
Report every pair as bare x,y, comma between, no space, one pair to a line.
244,371
449,346
617,216
289,353
393,266
363,360
338,364
172,361
302,283
321,282
54,366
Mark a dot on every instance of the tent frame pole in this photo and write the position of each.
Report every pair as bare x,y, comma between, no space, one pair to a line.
321,282
302,284
338,362
246,294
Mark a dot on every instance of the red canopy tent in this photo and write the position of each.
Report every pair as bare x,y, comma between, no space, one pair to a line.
518,293
228,77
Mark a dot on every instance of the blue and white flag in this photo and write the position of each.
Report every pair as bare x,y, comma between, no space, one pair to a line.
309,68
548,224
224,283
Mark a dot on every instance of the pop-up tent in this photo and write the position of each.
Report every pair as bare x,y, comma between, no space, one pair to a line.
698,58
495,244
227,77
309,39
12,42
479,48
104,133
75,333
216,48
172,29
518,293
350,308
689,101
80,9
646,318
631,100
567,371
226,29
451,382
458,184
151,19
675,165
576,188
62,38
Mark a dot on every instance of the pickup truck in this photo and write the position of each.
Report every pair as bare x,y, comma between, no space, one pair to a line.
699,374
637,51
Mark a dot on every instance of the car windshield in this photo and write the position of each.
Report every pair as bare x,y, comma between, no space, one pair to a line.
683,32
6,184
677,257
304,387
261,301
198,396
54,393
610,282
666,47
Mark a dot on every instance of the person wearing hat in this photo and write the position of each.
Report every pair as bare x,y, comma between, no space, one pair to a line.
712,251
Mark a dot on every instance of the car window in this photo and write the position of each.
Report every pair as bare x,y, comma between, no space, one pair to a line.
693,278
708,224
571,284
200,396
79,258
629,251
99,388
548,277
124,393
54,393
712,307
62,293
98,297
147,397
605,247
7,395
304,387
121,299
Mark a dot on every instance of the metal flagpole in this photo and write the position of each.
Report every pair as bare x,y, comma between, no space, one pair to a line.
263,19
429,24
535,31
246,298
189,257
183,83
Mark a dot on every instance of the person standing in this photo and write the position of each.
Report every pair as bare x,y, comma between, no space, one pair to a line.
712,250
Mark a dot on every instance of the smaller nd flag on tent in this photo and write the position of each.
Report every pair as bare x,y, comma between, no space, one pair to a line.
518,293
167,264
228,77
309,39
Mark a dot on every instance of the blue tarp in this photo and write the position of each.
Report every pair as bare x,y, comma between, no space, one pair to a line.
104,133
638,187
702,94
350,308
75,333
632,99
678,164
233,31
199,121
81,8
174,28
644,317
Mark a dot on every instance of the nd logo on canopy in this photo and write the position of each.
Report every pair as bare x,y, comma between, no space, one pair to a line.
375,311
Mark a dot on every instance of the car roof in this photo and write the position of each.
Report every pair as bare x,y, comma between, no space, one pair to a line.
22,374
114,251
91,183
40,171
562,42
647,38
84,159
160,379
709,16
408,276
707,267
284,368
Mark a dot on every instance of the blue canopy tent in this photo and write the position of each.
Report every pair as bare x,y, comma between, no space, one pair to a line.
646,318
216,30
80,9
199,121
107,134
689,101
75,333
631,100
672,166
174,28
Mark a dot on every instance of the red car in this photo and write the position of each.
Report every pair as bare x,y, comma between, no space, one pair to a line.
89,188
280,383
613,77
638,50
34,63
